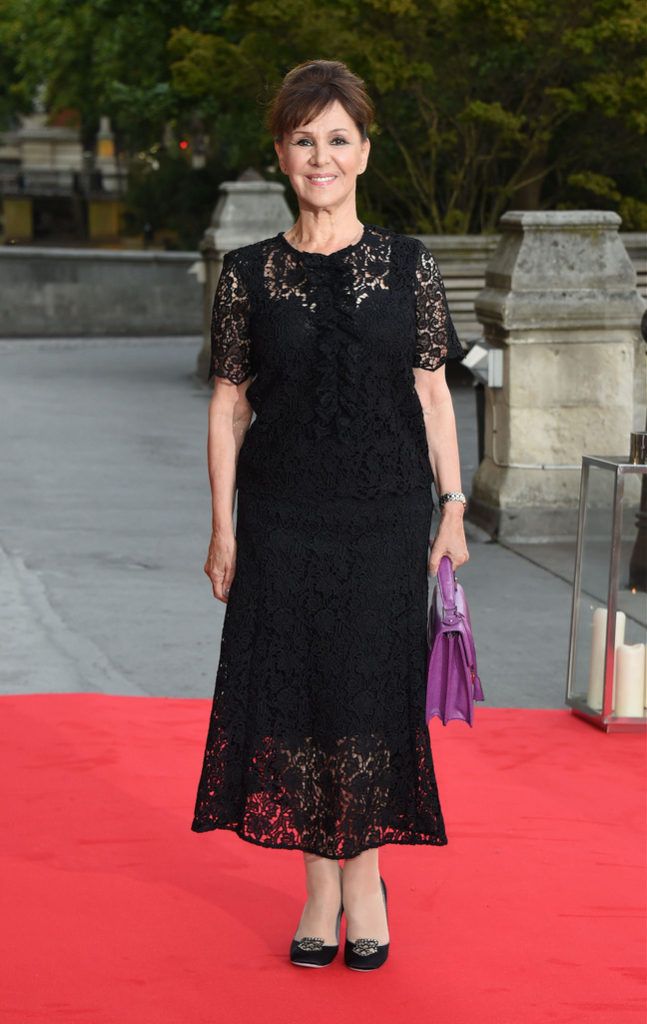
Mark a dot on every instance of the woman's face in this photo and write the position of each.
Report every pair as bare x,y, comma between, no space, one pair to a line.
323,157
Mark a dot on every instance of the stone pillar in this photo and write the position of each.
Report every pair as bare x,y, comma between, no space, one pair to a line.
560,301
248,210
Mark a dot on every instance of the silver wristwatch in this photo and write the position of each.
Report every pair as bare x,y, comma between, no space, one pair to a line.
452,496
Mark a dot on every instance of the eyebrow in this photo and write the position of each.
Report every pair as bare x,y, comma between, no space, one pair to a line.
300,131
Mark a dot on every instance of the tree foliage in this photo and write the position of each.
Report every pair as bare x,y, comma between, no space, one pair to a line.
482,105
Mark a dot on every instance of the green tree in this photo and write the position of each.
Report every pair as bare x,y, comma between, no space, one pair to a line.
103,57
15,93
482,105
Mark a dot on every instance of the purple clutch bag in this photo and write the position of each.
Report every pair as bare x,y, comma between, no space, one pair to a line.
452,680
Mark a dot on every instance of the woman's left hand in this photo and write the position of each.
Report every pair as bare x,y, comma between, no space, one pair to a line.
449,540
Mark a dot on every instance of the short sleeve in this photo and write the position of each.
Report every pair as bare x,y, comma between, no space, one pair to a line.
230,340
436,337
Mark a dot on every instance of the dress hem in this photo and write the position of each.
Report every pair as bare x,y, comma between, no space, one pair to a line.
393,841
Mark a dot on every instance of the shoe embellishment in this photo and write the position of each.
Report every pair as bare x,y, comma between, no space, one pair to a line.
365,947
309,943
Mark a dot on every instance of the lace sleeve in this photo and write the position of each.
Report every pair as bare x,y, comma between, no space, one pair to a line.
436,337
230,341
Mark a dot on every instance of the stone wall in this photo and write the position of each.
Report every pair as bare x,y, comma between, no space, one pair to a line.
47,292
95,292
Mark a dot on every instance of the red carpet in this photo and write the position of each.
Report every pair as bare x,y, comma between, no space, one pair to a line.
114,912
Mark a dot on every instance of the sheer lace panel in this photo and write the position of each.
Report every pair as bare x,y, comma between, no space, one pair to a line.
230,340
436,339
336,803
361,269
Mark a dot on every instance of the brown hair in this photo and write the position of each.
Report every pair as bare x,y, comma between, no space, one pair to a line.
309,88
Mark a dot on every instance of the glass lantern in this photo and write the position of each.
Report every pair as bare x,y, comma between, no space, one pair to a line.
607,661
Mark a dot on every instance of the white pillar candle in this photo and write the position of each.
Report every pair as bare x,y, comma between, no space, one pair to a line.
598,645
630,681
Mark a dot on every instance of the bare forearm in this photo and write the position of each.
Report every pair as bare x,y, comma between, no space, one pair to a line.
227,430
442,443
221,456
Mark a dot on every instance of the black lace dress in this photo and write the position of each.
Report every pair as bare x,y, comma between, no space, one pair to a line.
317,738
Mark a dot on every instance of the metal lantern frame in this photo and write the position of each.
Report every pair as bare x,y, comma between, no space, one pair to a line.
603,718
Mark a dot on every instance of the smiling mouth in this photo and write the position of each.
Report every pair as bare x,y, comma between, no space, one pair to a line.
321,179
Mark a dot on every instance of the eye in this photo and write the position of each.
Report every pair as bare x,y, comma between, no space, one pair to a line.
308,142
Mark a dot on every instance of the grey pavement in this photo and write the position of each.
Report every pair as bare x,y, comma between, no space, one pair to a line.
104,527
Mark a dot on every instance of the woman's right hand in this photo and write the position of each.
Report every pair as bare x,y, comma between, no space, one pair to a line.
220,565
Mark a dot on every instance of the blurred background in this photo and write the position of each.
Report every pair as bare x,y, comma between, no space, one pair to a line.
120,119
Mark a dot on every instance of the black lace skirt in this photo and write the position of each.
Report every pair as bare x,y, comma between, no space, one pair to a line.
317,739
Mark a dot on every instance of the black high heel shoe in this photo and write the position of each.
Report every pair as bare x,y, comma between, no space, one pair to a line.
310,951
367,954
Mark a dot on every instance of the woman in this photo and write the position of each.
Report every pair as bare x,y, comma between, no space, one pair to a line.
317,739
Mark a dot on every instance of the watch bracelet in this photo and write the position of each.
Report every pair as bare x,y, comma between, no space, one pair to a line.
452,496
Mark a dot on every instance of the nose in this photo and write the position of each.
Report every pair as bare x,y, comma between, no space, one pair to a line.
318,157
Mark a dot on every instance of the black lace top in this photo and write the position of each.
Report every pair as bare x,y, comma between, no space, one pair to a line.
330,342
